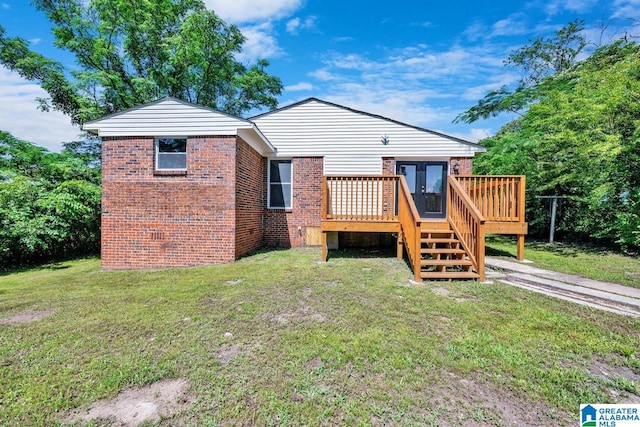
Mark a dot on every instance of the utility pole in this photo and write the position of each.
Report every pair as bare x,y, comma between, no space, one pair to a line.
554,209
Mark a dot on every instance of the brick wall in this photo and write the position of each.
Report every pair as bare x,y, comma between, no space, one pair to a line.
153,221
250,198
388,166
281,225
465,165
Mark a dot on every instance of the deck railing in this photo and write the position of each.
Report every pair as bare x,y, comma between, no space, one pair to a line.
359,198
467,222
498,198
410,222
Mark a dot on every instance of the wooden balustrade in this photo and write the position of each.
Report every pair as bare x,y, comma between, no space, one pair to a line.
498,198
410,221
360,198
382,203
467,222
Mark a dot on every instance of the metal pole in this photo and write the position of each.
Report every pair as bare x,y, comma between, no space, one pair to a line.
554,206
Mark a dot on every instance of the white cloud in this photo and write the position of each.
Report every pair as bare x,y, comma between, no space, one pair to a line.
35,41
418,84
5,6
323,75
555,7
255,19
476,31
260,43
473,134
299,87
496,81
405,105
21,118
293,25
342,39
515,24
252,11
626,9
296,24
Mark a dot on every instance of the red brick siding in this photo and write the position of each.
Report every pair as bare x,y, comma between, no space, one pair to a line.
281,225
151,221
465,165
250,198
388,166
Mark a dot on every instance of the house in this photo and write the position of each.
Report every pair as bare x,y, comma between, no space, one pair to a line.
187,185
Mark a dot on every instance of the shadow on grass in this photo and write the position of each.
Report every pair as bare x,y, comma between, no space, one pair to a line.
564,249
383,252
56,265
489,251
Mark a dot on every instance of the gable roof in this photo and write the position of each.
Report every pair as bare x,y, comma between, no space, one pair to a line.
377,116
353,141
170,116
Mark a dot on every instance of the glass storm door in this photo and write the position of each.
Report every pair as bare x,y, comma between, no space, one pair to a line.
426,181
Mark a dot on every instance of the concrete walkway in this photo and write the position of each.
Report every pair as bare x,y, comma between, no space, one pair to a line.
593,293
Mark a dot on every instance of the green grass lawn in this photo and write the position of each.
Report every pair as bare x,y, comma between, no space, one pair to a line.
349,342
590,262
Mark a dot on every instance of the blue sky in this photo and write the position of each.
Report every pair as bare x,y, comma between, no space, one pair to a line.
421,62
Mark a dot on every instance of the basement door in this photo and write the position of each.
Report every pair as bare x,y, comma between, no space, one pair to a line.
426,181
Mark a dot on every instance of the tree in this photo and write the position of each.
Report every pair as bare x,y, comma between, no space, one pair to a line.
581,139
542,58
49,203
134,51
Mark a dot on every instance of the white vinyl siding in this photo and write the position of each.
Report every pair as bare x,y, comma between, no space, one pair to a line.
350,141
168,117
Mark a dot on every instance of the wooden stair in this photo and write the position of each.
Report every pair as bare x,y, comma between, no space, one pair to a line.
443,257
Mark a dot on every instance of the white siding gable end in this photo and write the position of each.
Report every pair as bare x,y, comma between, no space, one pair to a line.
351,141
173,117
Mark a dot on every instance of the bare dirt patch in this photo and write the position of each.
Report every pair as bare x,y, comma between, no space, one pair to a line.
480,403
229,352
303,313
441,291
133,406
28,316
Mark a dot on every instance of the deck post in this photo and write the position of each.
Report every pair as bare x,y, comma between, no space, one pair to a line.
417,266
481,253
325,198
520,243
325,248
400,247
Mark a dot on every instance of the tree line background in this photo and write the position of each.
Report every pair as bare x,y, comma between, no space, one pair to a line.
577,135
577,131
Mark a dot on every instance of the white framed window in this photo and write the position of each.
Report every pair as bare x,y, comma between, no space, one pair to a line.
279,188
171,154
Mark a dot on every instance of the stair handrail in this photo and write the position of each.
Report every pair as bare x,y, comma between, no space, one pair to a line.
468,223
410,223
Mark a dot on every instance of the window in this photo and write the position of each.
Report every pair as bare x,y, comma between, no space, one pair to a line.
280,184
171,153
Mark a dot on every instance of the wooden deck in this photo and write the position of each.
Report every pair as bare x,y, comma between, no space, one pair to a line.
437,249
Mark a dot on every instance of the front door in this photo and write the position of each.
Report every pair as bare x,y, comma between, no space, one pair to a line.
426,181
